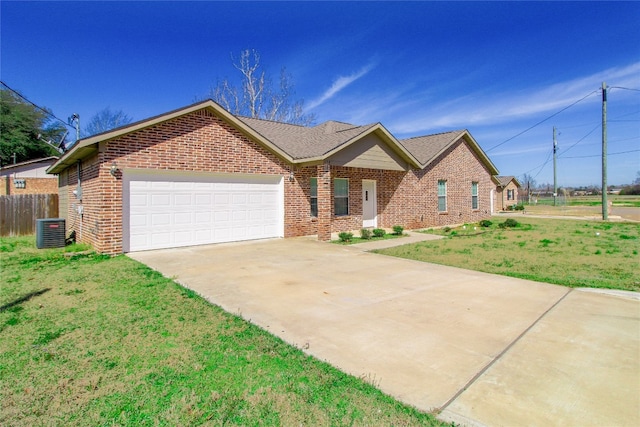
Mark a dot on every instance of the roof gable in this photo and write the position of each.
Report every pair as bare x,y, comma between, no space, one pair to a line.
429,147
88,146
503,181
370,152
368,146
321,142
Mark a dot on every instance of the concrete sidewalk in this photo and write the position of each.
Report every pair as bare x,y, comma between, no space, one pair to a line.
408,238
483,349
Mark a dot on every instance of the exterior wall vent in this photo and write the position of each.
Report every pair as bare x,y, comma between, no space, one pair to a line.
50,233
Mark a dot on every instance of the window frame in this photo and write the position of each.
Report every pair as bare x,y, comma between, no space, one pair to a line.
442,183
313,208
340,197
474,195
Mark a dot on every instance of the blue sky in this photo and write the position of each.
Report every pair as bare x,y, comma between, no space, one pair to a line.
494,68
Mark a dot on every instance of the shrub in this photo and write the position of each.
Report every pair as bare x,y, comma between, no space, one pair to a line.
365,234
519,207
446,229
379,232
485,223
345,236
509,223
397,230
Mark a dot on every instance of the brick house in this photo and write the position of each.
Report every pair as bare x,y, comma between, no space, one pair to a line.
201,175
506,191
28,177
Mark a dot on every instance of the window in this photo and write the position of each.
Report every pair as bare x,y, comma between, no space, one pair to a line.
341,196
511,194
474,195
313,199
442,196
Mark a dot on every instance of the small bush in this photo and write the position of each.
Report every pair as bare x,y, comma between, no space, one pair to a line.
398,229
365,234
345,236
485,223
446,229
509,223
519,207
379,232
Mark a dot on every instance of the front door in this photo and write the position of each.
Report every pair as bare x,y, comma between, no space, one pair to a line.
369,205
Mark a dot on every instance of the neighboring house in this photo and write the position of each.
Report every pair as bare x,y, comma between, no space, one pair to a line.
506,191
28,177
201,175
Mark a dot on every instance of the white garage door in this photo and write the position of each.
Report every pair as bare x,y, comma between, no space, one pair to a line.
172,211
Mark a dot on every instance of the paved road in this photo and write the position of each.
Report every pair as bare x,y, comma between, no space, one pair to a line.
477,348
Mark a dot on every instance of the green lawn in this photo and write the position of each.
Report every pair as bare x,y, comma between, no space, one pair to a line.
565,252
94,340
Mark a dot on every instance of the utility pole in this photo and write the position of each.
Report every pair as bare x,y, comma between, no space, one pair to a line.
605,207
555,174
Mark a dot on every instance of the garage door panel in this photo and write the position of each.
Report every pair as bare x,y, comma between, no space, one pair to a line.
164,213
182,218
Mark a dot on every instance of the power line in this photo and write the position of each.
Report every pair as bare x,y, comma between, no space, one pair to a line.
581,139
599,155
625,88
544,120
49,113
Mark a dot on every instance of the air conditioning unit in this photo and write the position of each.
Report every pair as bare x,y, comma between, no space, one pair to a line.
50,233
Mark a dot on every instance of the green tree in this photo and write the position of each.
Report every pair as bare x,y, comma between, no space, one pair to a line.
105,120
21,124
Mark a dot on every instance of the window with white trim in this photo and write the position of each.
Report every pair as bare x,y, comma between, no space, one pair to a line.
340,197
474,195
442,195
313,196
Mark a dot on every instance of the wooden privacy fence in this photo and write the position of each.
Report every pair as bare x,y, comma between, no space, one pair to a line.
18,213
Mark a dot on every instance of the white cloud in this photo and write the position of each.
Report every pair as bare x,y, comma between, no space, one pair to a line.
480,109
339,84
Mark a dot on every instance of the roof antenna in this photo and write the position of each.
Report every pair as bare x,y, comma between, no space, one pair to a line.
59,146
75,117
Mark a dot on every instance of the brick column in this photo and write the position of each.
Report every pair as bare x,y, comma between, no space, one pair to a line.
324,202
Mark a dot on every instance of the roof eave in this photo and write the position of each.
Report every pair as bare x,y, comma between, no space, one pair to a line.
391,140
81,149
480,152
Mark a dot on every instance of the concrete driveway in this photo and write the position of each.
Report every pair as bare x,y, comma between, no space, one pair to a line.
478,349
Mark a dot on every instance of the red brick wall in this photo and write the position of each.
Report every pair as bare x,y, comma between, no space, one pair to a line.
199,142
410,198
202,142
32,186
501,196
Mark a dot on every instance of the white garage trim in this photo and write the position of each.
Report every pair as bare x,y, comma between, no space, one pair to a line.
163,209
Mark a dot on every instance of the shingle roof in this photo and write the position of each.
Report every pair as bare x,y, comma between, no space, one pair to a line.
428,147
503,181
294,143
302,142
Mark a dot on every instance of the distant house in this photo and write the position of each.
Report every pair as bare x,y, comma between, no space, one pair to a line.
28,177
506,191
200,175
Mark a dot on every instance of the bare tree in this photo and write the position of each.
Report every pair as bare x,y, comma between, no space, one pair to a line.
105,120
256,97
528,183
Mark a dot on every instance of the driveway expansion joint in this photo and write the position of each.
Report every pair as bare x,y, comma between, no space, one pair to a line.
503,352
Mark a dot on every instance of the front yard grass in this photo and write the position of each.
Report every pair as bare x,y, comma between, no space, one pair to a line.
95,340
564,252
